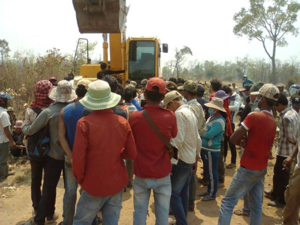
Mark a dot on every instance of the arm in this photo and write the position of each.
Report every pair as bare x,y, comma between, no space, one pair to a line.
79,151
214,130
130,148
62,135
287,162
238,136
8,135
40,122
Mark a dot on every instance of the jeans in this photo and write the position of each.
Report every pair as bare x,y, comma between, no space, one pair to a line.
180,180
192,190
4,149
88,207
221,165
37,168
162,194
231,146
211,164
280,179
46,205
244,181
70,195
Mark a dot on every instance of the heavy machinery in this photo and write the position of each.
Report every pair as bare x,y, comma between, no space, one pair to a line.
139,57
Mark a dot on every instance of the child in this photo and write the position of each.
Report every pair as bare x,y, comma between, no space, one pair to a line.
18,137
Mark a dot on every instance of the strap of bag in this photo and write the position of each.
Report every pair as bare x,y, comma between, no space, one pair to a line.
159,134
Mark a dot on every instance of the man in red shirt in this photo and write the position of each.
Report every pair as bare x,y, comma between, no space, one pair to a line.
152,166
256,135
98,163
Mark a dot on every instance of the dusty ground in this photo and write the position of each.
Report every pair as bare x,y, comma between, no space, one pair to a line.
15,201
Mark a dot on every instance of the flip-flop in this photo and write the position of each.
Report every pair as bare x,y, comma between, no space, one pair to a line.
240,212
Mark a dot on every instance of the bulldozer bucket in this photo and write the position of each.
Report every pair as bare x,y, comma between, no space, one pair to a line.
100,16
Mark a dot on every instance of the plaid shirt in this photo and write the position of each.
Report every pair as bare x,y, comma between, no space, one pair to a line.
288,124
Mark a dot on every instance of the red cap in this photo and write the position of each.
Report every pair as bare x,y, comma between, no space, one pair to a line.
156,82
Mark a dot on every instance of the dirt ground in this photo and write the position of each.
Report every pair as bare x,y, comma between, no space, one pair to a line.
15,201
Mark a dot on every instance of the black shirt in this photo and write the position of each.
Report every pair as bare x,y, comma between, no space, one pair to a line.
102,74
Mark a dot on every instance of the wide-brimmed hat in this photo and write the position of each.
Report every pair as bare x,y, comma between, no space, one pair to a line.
171,96
216,103
84,82
269,91
99,96
19,124
63,92
222,95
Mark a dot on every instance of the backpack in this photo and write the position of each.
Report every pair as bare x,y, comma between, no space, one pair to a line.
39,143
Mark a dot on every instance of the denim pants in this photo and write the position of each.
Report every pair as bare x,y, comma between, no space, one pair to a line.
70,195
46,207
210,162
192,190
4,149
162,194
180,180
88,207
244,181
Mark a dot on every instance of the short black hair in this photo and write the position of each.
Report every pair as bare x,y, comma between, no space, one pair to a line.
180,80
282,100
173,79
128,94
227,89
80,90
270,102
216,84
154,95
200,90
3,102
112,81
120,90
103,66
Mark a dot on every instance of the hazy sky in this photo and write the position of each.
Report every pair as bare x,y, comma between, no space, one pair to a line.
204,26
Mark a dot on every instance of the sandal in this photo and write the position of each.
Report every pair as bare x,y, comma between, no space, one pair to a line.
208,198
240,212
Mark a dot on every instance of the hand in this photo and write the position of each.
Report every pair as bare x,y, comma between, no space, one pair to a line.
12,144
287,162
195,167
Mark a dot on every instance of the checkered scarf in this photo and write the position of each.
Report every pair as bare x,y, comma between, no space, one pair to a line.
41,93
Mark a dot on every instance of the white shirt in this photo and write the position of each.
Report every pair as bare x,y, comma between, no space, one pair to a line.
298,155
4,122
30,116
234,105
187,141
200,117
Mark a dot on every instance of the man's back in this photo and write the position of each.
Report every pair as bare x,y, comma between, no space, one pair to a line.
152,159
261,128
196,108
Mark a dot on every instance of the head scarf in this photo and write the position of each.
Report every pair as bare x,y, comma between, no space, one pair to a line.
41,95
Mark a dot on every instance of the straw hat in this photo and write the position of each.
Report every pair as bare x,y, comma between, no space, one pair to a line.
63,92
99,96
19,124
170,96
216,103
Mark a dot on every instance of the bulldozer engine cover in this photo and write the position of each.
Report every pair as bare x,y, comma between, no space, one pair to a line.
100,16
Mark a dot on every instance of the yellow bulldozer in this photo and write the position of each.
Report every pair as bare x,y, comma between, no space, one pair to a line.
139,57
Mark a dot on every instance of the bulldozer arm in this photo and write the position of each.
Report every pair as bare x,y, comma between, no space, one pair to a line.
100,16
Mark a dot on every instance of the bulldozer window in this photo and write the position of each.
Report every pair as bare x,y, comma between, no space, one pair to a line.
141,60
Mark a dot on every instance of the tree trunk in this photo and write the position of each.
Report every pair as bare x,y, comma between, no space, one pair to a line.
274,78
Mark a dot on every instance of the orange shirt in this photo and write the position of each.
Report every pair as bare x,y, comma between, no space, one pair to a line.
261,133
103,139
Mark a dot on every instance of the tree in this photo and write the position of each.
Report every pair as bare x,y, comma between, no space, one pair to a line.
180,57
268,20
4,49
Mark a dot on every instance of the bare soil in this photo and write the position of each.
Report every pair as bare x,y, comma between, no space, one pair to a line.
15,201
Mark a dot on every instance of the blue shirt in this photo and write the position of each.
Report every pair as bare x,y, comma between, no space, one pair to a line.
72,113
136,104
247,82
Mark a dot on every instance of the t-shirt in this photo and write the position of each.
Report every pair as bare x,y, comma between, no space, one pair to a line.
4,122
247,82
18,138
261,128
153,160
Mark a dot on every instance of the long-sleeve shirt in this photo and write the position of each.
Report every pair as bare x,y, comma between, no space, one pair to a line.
288,124
199,113
234,106
102,140
48,116
185,142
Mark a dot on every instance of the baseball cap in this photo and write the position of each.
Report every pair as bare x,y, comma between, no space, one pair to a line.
171,86
180,88
156,82
171,96
296,100
246,88
190,86
269,91
280,85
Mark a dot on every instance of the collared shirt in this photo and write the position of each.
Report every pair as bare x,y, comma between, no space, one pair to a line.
4,122
153,160
288,123
102,140
234,106
131,107
185,142
199,113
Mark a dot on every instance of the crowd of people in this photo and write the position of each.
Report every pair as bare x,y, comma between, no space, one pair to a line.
150,136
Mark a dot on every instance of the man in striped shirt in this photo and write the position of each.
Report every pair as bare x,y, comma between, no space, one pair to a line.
288,123
128,96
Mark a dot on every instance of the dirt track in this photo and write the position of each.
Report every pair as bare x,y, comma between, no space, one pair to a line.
15,204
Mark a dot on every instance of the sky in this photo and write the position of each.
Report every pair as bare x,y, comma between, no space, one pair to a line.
204,26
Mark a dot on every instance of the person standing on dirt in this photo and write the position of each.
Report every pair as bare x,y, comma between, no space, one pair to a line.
6,139
98,164
188,143
288,124
105,72
68,118
256,135
152,154
54,160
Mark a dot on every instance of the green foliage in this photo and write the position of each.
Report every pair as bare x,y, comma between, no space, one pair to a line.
268,20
